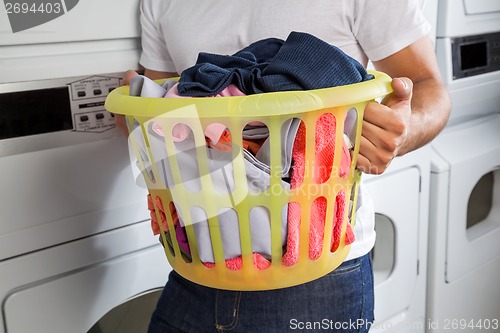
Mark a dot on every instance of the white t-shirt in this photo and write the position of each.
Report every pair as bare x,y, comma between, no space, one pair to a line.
175,31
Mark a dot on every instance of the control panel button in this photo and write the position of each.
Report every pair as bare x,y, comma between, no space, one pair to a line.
87,105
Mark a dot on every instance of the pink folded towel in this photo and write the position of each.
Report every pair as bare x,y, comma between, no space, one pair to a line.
235,264
213,131
179,228
323,164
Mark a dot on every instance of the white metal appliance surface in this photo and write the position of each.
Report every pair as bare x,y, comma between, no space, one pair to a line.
75,237
468,51
400,198
464,252
68,288
94,37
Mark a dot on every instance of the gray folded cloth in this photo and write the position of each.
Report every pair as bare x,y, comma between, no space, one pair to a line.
222,177
288,133
143,86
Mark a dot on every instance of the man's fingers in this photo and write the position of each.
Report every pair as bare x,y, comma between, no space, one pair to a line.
402,91
128,76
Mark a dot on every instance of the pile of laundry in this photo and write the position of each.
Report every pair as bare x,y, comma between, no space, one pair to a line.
301,62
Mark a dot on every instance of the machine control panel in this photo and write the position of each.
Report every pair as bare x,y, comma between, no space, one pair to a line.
46,106
87,103
474,55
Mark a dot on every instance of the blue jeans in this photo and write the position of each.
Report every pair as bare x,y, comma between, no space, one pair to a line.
341,301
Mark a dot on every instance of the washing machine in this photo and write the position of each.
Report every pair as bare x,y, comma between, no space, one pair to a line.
464,232
400,198
75,236
401,203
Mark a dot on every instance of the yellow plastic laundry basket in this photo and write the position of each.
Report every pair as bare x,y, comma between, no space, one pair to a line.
166,134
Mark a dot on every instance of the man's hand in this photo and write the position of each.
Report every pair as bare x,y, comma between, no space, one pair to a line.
385,126
120,120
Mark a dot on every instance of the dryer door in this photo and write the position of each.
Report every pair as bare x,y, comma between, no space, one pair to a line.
396,199
68,288
472,151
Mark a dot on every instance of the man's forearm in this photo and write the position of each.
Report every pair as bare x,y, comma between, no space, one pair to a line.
430,111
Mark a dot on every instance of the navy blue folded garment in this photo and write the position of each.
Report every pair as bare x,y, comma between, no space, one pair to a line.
302,62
